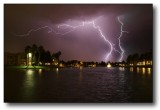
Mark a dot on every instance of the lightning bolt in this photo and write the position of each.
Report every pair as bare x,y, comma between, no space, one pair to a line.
102,35
73,28
96,27
34,30
50,29
122,53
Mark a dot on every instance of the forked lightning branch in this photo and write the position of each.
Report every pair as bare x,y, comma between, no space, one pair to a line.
84,23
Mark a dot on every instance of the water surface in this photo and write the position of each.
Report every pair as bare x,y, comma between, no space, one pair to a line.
99,84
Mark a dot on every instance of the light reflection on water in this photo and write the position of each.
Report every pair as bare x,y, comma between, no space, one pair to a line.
121,68
143,70
85,84
28,83
131,69
80,75
57,70
149,70
29,78
40,72
29,72
139,70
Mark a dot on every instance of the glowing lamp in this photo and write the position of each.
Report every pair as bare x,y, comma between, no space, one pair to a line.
109,65
29,55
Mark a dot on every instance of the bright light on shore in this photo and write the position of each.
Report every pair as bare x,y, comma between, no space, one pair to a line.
109,65
29,55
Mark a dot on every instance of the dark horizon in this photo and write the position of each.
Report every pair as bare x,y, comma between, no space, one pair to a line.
83,43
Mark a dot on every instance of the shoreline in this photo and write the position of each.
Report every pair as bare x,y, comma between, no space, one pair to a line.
47,67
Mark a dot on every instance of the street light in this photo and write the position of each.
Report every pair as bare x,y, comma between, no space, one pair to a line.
29,59
109,65
29,55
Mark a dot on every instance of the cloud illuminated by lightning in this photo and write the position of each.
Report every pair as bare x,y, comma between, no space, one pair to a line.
73,28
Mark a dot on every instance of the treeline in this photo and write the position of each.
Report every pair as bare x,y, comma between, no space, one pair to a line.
135,58
74,63
40,55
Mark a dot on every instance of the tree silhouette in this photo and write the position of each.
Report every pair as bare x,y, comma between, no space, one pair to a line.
47,57
40,52
135,59
28,49
129,59
34,53
56,56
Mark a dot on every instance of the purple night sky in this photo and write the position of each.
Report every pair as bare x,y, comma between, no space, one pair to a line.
84,43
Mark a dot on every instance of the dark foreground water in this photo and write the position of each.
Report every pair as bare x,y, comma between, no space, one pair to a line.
78,85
